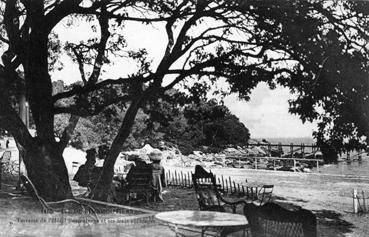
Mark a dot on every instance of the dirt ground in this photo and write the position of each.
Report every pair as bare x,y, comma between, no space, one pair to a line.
328,196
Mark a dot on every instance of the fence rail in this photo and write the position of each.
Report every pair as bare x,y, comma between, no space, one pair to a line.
293,149
225,184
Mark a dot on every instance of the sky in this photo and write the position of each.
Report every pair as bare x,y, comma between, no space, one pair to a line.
265,115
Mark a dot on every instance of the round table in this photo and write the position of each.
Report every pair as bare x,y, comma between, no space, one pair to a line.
203,220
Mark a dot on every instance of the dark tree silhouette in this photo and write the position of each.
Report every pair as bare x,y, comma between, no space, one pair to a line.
243,42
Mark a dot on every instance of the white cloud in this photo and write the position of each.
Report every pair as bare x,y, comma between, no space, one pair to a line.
266,114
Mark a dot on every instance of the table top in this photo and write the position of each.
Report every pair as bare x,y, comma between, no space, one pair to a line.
202,218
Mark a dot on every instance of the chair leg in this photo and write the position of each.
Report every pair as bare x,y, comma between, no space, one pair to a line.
202,232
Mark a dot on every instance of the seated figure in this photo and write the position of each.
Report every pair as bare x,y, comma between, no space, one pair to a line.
82,177
98,167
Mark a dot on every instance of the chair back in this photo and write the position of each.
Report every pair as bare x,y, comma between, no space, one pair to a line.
206,190
265,193
140,179
271,219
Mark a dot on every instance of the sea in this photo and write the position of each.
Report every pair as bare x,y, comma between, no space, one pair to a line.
343,167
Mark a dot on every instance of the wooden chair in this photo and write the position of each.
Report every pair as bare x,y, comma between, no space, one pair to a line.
6,156
140,183
272,220
207,193
8,167
59,206
265,194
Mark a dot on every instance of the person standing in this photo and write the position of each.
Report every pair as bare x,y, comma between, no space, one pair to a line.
158,175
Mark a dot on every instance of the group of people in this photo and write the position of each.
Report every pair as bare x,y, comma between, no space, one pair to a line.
154,170
89,173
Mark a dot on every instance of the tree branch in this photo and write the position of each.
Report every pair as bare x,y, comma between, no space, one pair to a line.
68,131
11,20
100,85
80,65
60,11
105,34
86,112
10,121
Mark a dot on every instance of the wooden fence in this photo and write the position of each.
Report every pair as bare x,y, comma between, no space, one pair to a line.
360,201
225,184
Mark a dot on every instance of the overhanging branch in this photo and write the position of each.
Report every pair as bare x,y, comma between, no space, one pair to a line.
100,85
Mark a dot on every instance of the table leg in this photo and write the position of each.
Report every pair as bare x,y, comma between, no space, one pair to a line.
174,228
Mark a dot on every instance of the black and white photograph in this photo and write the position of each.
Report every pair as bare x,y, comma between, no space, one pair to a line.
239,118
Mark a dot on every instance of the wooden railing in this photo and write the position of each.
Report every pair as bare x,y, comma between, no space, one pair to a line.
293,148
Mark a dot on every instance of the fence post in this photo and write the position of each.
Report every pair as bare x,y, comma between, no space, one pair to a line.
189,179
291,149
182,179
280,149
317,165
168,179
364,205
176,180
355,201
303,150
256,163
223,183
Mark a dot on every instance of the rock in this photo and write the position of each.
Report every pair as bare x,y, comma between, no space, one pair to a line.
231,151
198,153
258,151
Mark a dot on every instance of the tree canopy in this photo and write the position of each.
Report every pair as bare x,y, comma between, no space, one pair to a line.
298,44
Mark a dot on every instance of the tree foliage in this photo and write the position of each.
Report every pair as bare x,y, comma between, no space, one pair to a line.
191,121
176,118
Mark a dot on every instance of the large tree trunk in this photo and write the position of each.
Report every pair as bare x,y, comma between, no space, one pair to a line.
43,159
47,170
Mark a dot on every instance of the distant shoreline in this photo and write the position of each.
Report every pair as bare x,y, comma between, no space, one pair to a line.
287,140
